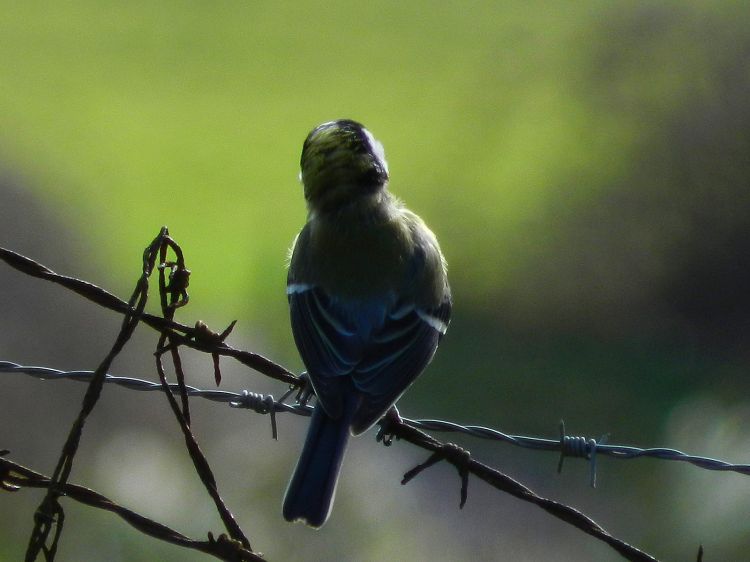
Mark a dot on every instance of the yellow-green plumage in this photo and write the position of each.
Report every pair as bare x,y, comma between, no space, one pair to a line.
366,249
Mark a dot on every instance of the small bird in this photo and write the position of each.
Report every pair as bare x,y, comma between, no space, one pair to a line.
369,301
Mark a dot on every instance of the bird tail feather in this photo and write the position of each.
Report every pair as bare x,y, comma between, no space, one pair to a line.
311,490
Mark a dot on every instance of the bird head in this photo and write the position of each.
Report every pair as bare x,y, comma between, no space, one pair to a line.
341,162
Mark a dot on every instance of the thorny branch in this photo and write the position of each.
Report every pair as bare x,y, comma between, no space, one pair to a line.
172,336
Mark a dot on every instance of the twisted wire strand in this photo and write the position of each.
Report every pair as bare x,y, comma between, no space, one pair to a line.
566,445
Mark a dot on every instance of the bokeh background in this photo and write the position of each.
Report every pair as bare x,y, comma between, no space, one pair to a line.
586,167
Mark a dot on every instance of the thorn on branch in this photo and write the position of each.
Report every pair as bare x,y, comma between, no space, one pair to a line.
455,455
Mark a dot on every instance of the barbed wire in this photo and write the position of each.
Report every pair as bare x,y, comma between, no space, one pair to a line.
567,445
391,426
49,517
173,335
14,476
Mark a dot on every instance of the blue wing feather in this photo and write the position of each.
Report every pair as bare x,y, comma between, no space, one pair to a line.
311,490
328,348
382,353
400,352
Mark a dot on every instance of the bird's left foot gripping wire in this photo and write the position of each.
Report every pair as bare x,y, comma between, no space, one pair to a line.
388,423
304,390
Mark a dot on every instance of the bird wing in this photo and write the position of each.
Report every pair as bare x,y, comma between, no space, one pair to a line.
395,356
327,344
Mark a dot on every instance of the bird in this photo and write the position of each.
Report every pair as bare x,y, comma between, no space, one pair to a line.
369,302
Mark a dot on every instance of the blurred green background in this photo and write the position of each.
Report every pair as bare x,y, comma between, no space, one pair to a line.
586,167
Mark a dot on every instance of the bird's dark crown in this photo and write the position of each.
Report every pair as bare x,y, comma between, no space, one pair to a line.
340,162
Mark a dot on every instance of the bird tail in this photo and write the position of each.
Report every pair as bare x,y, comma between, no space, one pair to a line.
310,493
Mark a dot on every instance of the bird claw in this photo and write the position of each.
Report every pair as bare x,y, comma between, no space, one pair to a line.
387,422
305,390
